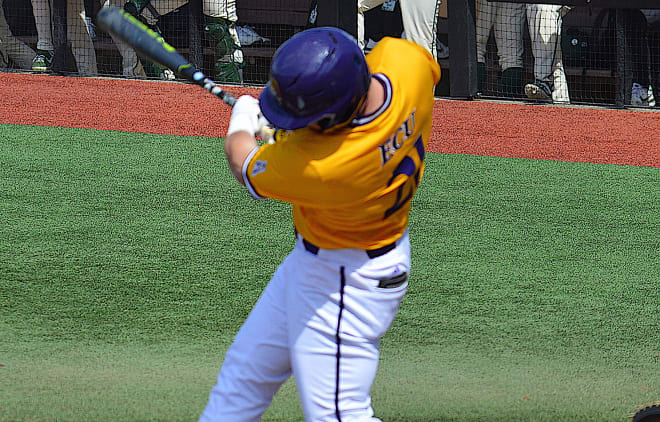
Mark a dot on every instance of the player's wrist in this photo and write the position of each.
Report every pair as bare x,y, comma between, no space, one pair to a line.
243,122
245,116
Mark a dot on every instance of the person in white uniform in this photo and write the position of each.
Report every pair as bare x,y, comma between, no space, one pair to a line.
348,156
13,50
220,18
550,83
420,20
507,21
78,37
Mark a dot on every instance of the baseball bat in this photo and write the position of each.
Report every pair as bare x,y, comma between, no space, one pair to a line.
152,46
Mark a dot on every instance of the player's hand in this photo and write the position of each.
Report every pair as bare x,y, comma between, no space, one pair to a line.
245,116
266,130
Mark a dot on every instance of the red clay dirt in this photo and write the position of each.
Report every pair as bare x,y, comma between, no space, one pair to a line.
460,127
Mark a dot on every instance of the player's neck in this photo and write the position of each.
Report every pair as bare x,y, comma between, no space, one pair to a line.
375,97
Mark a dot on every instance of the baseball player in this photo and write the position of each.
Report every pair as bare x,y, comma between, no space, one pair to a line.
544,22
506,20
11,48
638,36
420,21
78,36
220,23
348,156
653,20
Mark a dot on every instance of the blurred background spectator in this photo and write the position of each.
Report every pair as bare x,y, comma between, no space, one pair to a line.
550,83
505,21
78,37
13,50
420,18
579,48
132,66
220,18
653,21
637,29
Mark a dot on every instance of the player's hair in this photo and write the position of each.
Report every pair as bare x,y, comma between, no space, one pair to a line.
318,76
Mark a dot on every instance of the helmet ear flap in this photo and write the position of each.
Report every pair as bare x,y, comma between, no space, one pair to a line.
319,76
335,122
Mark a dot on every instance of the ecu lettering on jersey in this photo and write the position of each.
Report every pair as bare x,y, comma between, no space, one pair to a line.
395,142
352,188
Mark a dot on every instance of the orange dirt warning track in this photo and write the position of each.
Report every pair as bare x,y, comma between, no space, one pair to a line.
459,127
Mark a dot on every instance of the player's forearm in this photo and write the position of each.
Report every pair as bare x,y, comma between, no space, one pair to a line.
240,141
238,147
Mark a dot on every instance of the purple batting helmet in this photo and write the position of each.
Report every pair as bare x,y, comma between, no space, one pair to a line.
318,76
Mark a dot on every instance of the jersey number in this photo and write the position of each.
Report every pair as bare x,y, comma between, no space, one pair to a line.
406,166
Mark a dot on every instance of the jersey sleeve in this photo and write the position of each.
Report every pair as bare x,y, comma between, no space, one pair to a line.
283,172
247,168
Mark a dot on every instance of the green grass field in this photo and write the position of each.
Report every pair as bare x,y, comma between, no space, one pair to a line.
128,262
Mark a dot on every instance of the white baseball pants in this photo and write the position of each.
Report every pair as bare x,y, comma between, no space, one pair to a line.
131,66
13,48
215,8
507,21
545,31
320,318
78,37
420,19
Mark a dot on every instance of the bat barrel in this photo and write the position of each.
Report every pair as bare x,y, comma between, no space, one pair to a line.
151,45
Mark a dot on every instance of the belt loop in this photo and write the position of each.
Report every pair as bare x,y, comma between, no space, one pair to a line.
313,249
371,253
374,253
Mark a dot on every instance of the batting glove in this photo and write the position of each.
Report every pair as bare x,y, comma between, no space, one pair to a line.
266,130
245,116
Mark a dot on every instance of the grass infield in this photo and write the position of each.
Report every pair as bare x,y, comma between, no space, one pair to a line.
128,262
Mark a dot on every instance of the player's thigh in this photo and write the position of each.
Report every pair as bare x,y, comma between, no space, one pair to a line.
256,364
543,15
511,16
421,9
486,12
340,315
262,340
366,5
420,13
548,23
335,377
419,21
221,9
166,6
4,26
76,25
508,31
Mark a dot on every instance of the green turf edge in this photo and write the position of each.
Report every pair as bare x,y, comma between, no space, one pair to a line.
504,230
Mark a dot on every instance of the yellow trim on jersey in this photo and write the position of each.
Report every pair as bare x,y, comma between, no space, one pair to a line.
352,188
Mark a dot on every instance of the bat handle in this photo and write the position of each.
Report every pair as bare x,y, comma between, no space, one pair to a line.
266,130
214,89
189,72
